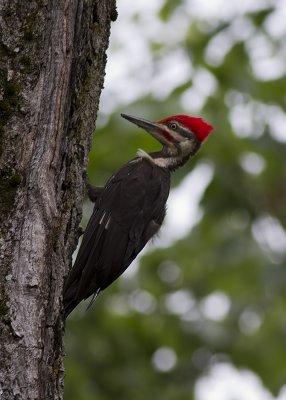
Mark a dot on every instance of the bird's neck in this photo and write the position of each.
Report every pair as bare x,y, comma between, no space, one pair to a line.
170,159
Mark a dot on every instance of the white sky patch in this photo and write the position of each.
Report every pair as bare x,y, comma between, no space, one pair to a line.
204,85
249,118
133,71
242,121
179,302
270,235
275,22
142,301
164,359
225,382
215,306
250,321
252,163
183,210
192,100
276,118
219,46
129,63
224,10
267,62
269,68
170,74
205,81
282,393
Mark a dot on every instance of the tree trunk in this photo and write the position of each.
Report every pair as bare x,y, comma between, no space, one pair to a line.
52,60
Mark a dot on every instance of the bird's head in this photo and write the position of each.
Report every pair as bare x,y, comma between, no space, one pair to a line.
180,135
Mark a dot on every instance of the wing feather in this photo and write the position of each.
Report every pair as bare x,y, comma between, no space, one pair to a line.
127,213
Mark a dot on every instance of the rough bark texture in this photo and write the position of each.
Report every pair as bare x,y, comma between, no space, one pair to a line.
52,60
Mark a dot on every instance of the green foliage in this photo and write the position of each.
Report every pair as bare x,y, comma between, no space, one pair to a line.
229,252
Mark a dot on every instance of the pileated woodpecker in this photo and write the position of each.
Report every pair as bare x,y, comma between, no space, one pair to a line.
130,208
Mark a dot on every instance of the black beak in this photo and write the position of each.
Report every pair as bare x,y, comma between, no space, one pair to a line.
154,128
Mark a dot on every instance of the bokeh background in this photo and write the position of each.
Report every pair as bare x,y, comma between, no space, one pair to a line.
201,315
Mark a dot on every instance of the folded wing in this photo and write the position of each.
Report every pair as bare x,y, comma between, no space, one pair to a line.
128,212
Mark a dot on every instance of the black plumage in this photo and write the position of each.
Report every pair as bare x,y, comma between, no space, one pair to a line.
131,207
127,213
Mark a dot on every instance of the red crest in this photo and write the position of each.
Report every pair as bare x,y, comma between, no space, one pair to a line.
196,125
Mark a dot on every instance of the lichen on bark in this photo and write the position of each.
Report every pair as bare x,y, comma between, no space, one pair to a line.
52,62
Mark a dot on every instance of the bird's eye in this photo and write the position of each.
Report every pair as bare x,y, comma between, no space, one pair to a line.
173,126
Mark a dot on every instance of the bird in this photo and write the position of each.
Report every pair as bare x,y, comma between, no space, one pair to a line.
129,210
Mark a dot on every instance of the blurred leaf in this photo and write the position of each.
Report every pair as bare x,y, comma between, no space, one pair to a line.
110,350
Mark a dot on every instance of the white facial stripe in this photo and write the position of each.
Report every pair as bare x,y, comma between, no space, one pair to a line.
160,162
181,134
164,162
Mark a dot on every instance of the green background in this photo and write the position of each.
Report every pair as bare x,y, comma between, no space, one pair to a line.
217,295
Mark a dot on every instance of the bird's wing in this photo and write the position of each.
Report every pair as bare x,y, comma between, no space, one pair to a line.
127,214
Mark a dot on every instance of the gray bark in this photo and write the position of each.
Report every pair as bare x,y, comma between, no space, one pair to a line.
52,60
